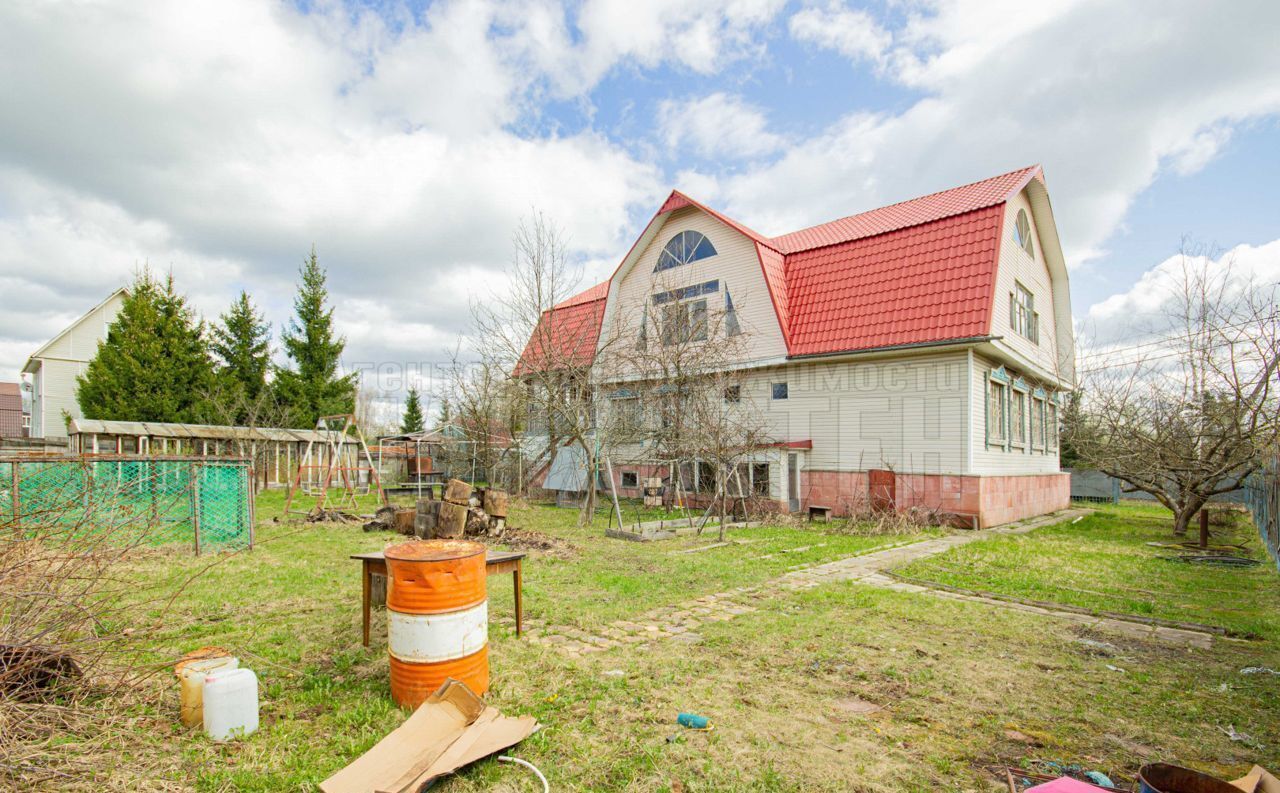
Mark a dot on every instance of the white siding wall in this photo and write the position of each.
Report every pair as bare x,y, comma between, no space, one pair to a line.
1016,266
999,460
905,413
54,386
58,378
735,265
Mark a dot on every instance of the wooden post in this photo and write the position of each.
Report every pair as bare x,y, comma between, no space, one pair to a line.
195,504
253,510
613,490
1204,526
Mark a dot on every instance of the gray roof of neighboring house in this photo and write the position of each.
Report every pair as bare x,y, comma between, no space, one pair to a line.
160,429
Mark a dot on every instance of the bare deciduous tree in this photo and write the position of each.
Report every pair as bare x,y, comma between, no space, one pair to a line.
679,396
548,347
1189,412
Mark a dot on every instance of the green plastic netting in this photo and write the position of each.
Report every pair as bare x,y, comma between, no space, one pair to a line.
201,502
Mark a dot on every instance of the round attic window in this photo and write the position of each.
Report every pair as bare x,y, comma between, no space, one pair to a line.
1022,232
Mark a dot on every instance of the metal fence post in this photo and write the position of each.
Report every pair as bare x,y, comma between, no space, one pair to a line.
195,503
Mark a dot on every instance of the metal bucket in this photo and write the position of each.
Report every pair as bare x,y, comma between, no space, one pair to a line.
437,617
1165,778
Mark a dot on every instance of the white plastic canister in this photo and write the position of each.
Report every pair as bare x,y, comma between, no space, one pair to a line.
230,704
191,675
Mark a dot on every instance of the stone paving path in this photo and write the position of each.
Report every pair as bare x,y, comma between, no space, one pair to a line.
680,623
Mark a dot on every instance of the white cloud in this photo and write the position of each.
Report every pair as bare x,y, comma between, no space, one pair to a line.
717,125
223,140
853,33
1104,95
1136,311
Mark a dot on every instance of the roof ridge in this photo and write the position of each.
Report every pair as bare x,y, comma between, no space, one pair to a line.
786,249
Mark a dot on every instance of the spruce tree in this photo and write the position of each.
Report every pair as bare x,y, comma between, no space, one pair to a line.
311,386
242,340
412,421
154,364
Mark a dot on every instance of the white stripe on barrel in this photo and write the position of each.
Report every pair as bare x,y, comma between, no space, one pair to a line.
429,638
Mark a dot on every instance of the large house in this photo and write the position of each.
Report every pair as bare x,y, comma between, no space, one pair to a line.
56,365
916,354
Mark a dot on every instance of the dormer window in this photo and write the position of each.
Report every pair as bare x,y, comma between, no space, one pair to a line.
1022,232
684,248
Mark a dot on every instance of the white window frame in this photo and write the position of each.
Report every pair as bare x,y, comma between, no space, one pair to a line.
1014,439
1022,233
997,397
687,328
1023,318
1051,425
1037,425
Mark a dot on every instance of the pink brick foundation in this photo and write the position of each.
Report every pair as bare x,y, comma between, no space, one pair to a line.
992,499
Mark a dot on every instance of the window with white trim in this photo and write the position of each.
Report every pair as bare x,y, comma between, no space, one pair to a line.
1022,313
996,396
1022,232
1037,423
684,322
1018,418
684,248
1051,430
628,414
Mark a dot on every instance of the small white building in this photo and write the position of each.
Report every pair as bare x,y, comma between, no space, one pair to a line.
55,366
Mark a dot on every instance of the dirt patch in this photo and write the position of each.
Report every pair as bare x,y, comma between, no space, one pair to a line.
535,542
1097,644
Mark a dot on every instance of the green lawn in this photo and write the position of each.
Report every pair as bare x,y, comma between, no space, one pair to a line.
1104,562
782,683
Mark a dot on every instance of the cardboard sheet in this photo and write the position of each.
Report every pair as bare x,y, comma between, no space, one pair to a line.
1259,780
450,730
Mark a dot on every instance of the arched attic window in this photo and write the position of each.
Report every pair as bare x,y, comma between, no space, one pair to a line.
684,248
1022,232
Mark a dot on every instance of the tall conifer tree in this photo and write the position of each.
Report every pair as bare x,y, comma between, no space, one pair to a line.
412,421
242,340
154,364
311,386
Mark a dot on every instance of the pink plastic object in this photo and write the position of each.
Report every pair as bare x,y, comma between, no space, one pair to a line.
1064,785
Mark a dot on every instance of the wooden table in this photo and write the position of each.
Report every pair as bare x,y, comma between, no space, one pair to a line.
496,563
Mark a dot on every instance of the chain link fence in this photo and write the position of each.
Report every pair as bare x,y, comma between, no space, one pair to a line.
205,503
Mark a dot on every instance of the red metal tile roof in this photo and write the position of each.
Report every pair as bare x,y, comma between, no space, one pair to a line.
570,329
921,284
925,209
915,272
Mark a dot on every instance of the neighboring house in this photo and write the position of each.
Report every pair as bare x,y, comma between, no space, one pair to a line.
915,354
55,366
11,411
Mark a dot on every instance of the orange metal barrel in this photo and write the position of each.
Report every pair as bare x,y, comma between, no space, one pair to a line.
437,617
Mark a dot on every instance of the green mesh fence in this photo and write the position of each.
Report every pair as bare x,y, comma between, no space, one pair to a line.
205,503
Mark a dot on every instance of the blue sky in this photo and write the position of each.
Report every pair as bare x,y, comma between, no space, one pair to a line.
221,141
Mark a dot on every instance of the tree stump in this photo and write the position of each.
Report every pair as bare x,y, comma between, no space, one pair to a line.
495,503
457,492
452,522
